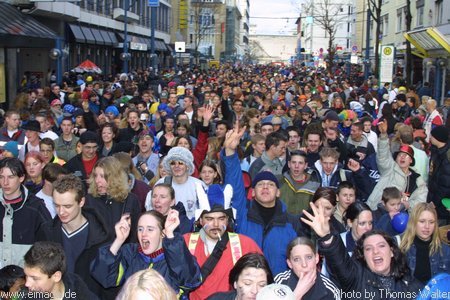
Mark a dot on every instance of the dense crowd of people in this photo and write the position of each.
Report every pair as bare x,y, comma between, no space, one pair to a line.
231,183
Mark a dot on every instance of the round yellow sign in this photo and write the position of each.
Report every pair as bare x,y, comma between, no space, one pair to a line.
387,51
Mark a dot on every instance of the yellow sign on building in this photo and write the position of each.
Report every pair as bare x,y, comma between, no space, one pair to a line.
183,17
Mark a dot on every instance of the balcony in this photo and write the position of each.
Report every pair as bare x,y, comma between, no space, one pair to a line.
119,15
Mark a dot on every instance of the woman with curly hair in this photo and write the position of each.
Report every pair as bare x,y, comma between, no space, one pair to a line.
426,253
109,193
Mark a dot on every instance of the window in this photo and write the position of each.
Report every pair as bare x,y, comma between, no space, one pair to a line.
439,8
385,22
420,11
400,19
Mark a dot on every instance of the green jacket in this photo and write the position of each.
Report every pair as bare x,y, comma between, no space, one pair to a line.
296,195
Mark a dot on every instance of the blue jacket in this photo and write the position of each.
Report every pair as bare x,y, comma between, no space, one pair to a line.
439,262
176,264
273,238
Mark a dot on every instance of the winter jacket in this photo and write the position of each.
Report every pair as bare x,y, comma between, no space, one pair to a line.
19,136
19,227
264,163
323,288
296,195
128,134
112,210
140,189
392,175
358,281
439,179
98,235
178,267
272,238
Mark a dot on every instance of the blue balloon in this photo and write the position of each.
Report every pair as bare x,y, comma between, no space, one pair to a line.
399,222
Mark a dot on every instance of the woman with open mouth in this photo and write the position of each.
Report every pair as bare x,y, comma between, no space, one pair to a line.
158,247
377,269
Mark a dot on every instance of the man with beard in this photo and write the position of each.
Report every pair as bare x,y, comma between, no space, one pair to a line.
215,249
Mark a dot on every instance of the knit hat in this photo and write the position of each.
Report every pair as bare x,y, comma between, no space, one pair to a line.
112,109
179,154
12,147
145,133
440,133
331,116
275,291
265,175
56,102
216,199
408,150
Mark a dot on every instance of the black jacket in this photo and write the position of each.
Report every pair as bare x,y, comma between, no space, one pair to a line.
439,179
98,236
75,166
128,134
111,211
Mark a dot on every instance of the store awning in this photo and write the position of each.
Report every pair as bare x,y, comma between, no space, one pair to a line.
98,36
15,23
431,42
90,39
106,37
77,33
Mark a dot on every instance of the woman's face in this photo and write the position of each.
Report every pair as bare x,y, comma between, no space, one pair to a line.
184,143
362,224
208,174
161,200
162,171
149,234
347,122
181,130
378,254
302,260
249,283
327,206
100,181
34,167
425,225
107,135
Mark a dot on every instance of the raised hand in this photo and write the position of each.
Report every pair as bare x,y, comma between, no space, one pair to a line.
200,113
172,222
207,114
318,222
382,126
233,138
122,229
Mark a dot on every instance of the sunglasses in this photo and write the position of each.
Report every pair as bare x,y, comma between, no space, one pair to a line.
177,163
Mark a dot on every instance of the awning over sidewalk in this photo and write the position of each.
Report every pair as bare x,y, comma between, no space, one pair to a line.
431,42
15,23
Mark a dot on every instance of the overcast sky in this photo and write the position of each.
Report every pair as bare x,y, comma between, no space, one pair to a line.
271,9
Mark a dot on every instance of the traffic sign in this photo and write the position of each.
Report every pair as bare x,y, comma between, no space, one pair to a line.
354,49
153,3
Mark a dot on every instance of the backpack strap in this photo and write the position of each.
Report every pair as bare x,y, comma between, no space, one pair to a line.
168,180
236,249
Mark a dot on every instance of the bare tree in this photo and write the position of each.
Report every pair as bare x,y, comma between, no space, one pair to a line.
203,22
409,58
327,14
374,7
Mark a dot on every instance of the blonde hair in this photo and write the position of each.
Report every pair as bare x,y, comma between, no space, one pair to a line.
410,233
149,282
115,176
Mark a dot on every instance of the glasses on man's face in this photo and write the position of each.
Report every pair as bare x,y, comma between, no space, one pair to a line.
177,163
